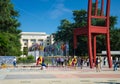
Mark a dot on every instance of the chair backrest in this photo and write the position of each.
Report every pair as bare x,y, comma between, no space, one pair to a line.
97,11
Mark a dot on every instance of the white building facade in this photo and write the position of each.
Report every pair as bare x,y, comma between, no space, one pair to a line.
30,38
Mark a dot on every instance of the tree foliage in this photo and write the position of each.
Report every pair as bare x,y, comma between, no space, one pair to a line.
64,30
115,39
80,18
9,32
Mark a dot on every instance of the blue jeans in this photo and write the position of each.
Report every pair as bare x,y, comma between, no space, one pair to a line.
115,67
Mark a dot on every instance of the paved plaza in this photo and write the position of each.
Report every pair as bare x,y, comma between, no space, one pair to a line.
58,75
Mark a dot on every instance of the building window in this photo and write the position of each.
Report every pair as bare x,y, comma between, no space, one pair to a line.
33,40
48,40
48,37
40,40
25,40
25,43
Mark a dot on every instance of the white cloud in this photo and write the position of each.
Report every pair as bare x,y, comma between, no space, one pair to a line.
58,10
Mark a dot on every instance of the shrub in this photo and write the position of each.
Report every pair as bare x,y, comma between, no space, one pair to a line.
28,59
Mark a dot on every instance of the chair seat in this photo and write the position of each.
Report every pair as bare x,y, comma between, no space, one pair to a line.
81,31
93,30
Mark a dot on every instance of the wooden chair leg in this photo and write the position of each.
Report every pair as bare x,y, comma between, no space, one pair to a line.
90,50
94,49
108,51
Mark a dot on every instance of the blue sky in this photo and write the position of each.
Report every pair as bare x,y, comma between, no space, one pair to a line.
45,15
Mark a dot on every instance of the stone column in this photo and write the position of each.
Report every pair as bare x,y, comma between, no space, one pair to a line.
29,43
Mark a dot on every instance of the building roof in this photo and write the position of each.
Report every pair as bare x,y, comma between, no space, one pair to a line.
32,33
112,52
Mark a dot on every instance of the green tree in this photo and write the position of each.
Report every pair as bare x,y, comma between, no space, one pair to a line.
64,31
9,32
25,51
80,18
115,39
3,43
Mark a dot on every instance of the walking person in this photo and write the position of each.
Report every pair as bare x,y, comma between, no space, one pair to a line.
78,61
100,62
53,61
14,62
104,61
81,63
115,66
97,64
87,62
66,60
62,61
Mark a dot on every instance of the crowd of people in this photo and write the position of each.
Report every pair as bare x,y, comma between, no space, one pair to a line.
64,61
75,61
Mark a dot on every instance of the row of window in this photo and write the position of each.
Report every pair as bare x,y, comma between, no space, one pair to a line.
33,40
25,44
